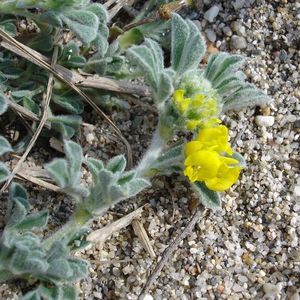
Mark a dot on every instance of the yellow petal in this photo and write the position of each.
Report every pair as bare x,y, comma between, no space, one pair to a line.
225,178
178,95
229,160
205,164
192,124
192,147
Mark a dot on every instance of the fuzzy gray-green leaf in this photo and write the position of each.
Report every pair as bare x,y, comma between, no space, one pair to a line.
3,105
206,196
187,45
117,164
35,220
58,169
4,172
95,166
240,159
4,145
136,185
83,23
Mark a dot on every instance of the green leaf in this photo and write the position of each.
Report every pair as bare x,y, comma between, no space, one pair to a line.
4,172
206,196
69,292
3,104
245,96
75,157
51,17
136,185
68,125
131,37
99,11
83,23
170,161
126,177
94,166
71,104
117,164
187,45
222,65
36,220
240,159
34,295
79,268
31,105
4,145
58,169
60,268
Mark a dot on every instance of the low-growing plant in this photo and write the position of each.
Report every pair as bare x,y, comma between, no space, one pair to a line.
187,98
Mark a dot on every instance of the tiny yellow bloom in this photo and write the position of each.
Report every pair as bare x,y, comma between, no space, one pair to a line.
225,178
202,165
208,159
199,111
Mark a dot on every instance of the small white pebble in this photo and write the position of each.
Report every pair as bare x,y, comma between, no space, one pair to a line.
148,297
265,121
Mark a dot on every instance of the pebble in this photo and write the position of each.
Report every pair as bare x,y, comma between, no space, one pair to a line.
271,290
211,35
148,297
238,42
297,191
238,28
211,14
283,55
265,121
227,30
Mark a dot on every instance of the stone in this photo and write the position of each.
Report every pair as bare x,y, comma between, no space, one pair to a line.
238,42
264,121
148,297
227,31
211,35
211,13
297,191
238,28
283,56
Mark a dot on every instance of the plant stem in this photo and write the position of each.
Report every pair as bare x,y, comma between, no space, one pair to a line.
80,218
156,147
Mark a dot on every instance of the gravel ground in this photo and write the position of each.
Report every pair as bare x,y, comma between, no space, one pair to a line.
249,249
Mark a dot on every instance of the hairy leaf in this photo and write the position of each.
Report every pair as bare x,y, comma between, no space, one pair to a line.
117,164
187,45
3,104
4,145
83,23
206,196
58,169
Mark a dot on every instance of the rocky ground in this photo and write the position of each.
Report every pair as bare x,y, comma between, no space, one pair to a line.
250,248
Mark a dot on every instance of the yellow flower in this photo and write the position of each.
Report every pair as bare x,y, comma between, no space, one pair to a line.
181,102
208,160
199,111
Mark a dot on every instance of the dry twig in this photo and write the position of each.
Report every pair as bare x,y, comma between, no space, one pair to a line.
46,103
100,235
38,59
169,251
143,237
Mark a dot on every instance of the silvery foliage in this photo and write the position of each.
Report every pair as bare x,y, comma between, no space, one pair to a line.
223,72
111,183
149,61
4,144
23,255
80,16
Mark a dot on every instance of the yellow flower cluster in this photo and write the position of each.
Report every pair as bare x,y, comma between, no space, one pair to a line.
209,159
199,111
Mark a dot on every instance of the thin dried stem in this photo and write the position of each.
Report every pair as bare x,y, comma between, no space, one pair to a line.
36,59
45,104
169,251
